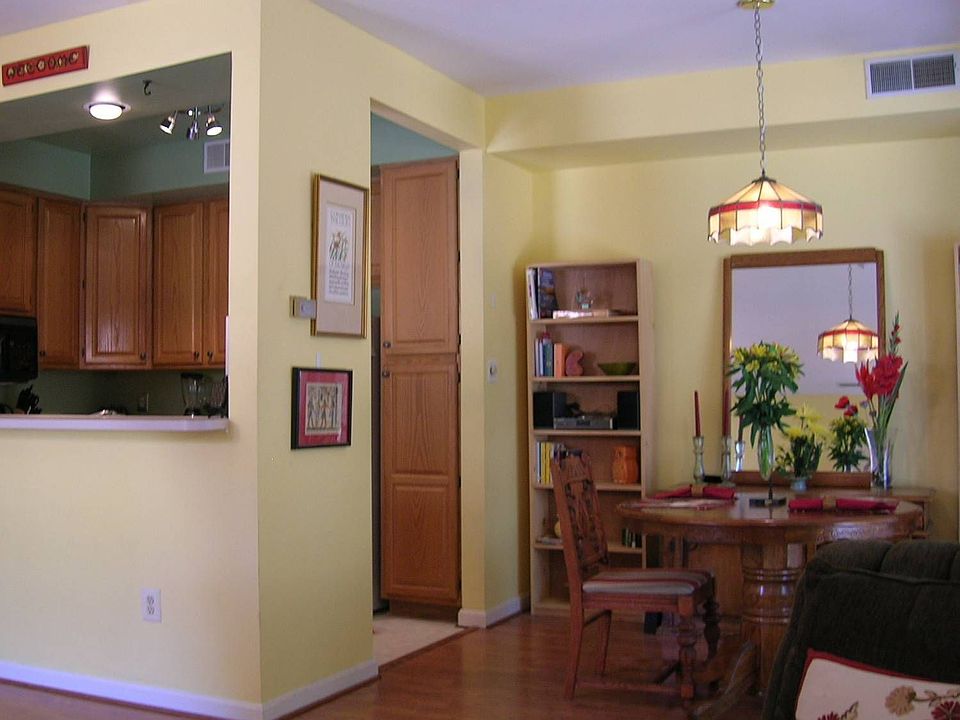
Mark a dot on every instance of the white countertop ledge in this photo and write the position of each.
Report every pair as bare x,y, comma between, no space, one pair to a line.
129,423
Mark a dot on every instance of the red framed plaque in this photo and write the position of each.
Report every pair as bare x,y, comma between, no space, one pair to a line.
54,63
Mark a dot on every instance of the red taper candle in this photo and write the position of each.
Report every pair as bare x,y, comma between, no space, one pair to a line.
696,409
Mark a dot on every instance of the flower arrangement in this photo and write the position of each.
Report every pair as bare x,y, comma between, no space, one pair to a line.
848,438
881,387
763,375
801,456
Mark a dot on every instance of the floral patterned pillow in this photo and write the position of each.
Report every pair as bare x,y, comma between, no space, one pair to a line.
837,689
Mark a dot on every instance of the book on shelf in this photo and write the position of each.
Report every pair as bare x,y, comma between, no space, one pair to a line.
592,312
532,300
546,293
559,356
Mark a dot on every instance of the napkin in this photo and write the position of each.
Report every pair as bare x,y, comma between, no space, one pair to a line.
707,491
805,504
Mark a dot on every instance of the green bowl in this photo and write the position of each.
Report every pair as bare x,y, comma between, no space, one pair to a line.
618,368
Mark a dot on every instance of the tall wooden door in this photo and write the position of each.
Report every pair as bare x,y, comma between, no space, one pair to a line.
178,285
18,253
420,410
117,288
59,270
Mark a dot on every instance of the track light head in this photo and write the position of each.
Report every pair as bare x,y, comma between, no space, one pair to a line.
167,125
213,125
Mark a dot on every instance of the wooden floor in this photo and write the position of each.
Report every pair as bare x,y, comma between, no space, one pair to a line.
513,670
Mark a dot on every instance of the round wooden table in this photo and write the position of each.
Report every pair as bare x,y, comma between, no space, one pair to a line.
775,544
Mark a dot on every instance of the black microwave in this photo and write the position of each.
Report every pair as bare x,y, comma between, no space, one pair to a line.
18,349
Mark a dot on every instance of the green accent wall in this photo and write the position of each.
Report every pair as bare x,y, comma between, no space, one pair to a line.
40,166
390,143
151,169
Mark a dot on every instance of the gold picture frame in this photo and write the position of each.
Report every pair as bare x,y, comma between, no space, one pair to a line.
339,257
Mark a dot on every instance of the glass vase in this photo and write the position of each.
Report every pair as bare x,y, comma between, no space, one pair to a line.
765,453
880,445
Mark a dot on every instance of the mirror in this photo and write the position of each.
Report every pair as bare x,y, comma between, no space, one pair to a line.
790,298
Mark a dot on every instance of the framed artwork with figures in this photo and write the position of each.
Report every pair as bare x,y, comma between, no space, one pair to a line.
339,257
321,408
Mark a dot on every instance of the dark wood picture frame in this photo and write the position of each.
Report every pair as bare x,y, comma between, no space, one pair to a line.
321,408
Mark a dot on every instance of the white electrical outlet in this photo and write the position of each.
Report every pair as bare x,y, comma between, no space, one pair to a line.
150,604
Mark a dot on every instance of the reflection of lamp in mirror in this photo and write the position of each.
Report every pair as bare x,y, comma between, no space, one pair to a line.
764,212
850,341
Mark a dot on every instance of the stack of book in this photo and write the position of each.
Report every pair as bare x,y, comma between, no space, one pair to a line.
541,293
547,451
549,357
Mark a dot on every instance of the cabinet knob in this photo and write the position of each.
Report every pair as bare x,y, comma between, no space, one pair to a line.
143,356
196,354
209,354
385,373
42,353
387,344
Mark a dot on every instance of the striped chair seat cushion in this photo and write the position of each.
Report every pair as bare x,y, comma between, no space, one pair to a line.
661,581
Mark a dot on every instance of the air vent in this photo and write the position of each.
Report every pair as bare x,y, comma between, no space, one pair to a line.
899,76
216,156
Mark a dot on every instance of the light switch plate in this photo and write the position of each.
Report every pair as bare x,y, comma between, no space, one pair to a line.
301,307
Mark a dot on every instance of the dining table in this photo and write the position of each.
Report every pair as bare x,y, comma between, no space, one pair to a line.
775,544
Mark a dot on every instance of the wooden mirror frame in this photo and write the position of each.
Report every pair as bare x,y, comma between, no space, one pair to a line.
793,259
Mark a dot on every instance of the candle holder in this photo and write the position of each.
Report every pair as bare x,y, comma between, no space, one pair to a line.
738,448
698,471
726,461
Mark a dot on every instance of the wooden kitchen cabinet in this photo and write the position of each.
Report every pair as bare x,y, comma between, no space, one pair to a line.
117,306
190,284
18,253
59,273
216,275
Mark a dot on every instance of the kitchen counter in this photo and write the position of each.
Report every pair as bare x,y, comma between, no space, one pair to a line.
129,423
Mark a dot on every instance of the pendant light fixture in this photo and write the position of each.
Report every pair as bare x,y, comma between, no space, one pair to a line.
850,341
764,212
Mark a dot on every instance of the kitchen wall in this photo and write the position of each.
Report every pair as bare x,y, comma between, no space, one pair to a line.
41,166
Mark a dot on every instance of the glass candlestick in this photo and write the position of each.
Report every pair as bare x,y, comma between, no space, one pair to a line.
698,471
738,448
726,462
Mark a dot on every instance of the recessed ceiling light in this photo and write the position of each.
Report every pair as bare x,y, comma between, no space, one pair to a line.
106,110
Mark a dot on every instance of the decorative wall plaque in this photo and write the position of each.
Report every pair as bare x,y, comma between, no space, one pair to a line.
54,63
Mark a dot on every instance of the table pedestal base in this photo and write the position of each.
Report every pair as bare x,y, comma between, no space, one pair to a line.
770,576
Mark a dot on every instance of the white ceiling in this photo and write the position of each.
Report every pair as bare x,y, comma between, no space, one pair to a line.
504,46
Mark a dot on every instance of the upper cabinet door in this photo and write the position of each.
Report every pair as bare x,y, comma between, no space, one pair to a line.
117,318
59,272
376,232
419,230
18,253
178,285
216,276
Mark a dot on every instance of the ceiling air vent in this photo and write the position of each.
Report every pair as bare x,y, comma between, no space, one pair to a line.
899,76
216,156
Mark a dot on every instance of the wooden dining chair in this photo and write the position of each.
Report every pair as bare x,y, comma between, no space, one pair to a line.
597,590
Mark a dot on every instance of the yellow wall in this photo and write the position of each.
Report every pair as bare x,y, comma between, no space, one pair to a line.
88,519
897,196
315,521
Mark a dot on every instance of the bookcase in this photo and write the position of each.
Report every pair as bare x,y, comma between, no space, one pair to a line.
598,313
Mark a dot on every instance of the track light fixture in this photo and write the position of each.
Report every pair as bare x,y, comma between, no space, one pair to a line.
212,126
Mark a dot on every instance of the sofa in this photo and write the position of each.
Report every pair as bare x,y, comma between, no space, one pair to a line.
885,610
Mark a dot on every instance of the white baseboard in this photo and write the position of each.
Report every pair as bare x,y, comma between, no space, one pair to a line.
486,618
177,701
132,692
329,686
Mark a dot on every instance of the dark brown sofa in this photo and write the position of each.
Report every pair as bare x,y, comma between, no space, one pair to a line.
893,606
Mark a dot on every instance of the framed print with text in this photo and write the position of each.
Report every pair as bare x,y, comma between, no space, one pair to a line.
321,413
339,257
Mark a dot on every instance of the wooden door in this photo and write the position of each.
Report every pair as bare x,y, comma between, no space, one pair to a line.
420,293
18,253
178,285
216,259
420,514
420,508
59,273
376,232
117,288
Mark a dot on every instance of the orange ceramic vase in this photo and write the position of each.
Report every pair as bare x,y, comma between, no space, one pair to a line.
625,469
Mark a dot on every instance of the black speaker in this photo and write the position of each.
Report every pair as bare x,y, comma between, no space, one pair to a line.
548,405
628,410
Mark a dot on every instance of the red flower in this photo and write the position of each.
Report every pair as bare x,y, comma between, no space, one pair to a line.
949,710
866,380
882,379
842,403
850,411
